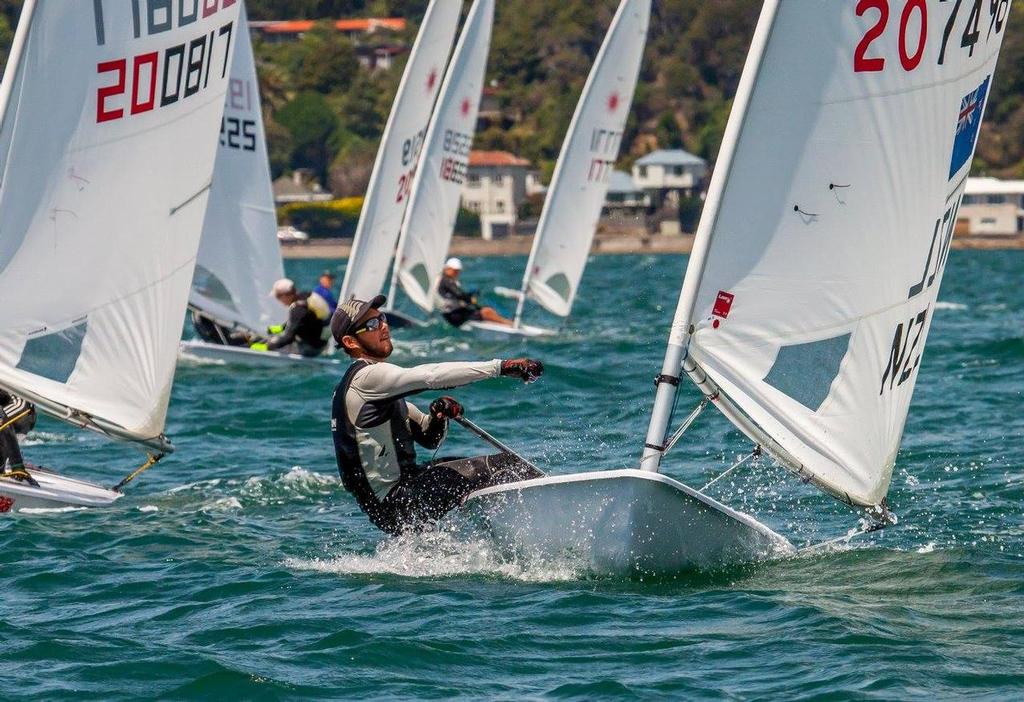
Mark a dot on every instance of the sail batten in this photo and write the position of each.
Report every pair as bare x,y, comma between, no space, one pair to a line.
437,188
810,293
103,141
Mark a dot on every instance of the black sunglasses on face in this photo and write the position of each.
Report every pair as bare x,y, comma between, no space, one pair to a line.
372,324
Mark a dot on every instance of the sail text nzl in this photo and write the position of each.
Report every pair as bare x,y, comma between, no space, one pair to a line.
159,75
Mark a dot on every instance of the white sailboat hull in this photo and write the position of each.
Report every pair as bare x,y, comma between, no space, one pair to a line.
201,350
54,492
620,522
524,330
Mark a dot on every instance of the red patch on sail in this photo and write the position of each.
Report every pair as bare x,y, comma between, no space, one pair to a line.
5,504
723,305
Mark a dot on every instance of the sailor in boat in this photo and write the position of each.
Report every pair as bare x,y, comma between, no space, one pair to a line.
16,417
375,427
306,330
211,332
459,306
325,289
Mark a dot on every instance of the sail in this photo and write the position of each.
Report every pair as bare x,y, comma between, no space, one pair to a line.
591,147
391,181
437,187
108,139
239,255
828,222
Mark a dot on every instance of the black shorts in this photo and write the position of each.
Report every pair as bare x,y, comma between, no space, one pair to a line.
461,315
441,486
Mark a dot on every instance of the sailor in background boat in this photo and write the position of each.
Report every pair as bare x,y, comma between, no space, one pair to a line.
16,417
308,322
325,289
211,332
375,427
459,306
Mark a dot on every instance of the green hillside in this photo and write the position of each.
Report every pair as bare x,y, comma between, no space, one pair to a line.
325,112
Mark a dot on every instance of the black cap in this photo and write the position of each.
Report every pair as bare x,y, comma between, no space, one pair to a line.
329,274
348,314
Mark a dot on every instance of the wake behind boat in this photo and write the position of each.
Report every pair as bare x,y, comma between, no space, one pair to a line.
786,321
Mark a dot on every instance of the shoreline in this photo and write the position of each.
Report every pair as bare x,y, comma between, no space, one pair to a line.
603,245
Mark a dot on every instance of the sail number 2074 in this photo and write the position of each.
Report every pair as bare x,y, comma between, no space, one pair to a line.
966,20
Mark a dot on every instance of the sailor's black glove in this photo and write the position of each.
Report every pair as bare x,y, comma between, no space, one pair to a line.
526,369
445,407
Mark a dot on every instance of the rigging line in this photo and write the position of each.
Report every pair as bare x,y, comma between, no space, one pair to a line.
690,419
870,528
753,454
153,459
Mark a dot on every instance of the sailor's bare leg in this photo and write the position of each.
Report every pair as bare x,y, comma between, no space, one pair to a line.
489,315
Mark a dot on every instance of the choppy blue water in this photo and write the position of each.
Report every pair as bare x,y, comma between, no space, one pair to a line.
239,568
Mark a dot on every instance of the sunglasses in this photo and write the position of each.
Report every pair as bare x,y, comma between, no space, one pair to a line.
372,324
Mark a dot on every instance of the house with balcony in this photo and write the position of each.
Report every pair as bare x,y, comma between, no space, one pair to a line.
625,196
666,175
496,184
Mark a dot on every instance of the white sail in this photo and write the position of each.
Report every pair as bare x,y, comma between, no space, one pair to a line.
591,147
108,140
395,168
811,288
239,255
437,187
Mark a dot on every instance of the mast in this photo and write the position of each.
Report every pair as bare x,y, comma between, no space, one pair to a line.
14,60
668,381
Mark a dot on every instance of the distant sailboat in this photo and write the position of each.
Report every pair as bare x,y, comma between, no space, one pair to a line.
580,182
107,147
398,156
239,254
437,188
809,294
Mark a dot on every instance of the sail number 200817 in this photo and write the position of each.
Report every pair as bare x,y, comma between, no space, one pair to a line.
137,84
913,26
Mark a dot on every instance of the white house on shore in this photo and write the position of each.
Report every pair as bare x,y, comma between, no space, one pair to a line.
666,174
624,195
993,207
496,184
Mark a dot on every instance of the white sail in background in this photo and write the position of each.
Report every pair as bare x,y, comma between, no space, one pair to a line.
239,255
108,141
395,168
591,147
437,187
827,226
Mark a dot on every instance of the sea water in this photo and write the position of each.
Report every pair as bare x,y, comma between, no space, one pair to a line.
238,568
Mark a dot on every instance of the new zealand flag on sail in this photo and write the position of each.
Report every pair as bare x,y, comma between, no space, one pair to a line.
967,125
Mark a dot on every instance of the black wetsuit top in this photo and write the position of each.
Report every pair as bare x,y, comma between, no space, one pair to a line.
307,318
11,407
457,305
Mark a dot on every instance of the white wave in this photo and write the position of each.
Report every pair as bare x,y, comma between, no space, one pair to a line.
439,554
222,504
185,358
149,508
38,438
941,305
927,548
51,510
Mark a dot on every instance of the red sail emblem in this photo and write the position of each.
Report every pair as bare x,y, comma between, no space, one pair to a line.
723,304
5,504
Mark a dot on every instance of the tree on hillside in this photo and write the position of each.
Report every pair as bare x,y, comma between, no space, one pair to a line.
313,127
